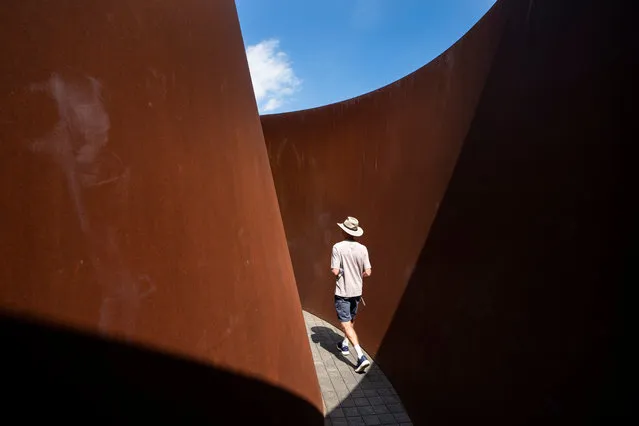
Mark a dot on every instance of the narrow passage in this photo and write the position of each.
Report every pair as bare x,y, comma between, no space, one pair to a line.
350,398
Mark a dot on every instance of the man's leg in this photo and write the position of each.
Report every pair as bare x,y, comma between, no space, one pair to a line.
345,342
346,310
349,330
349,326
353,305
342,308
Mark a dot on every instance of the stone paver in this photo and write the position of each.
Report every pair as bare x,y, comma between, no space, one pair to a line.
350,398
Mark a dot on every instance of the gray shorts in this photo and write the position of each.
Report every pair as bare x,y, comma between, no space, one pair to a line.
346,307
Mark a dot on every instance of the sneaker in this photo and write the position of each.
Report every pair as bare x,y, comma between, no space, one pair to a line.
343,348
362,364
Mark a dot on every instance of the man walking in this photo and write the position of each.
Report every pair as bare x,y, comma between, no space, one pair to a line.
350,264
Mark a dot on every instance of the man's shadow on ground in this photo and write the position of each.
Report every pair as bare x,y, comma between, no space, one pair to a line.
328,339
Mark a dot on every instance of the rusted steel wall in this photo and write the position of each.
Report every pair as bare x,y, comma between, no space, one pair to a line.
386,158
513,313
511,283
136,200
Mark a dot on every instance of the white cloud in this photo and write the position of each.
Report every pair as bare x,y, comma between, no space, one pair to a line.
272,75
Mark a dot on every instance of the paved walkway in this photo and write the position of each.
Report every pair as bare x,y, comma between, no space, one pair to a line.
350,398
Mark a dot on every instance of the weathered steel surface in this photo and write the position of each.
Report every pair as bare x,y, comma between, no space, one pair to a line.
386,158
496,296
512,314
136,199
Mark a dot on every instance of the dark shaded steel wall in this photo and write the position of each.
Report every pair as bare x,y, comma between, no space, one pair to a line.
386,158
515,311
511,284
136,200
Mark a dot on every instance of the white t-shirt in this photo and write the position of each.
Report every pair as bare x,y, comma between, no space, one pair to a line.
351,258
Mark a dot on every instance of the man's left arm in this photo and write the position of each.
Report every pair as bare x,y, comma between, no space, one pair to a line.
335,262
367,265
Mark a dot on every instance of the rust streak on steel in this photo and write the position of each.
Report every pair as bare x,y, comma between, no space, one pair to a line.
136,201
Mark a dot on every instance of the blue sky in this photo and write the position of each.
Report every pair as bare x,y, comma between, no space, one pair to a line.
308,53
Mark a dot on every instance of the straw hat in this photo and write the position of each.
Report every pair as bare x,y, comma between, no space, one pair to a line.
351,227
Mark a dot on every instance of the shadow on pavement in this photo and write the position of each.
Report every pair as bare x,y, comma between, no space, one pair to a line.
352,398
328,340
